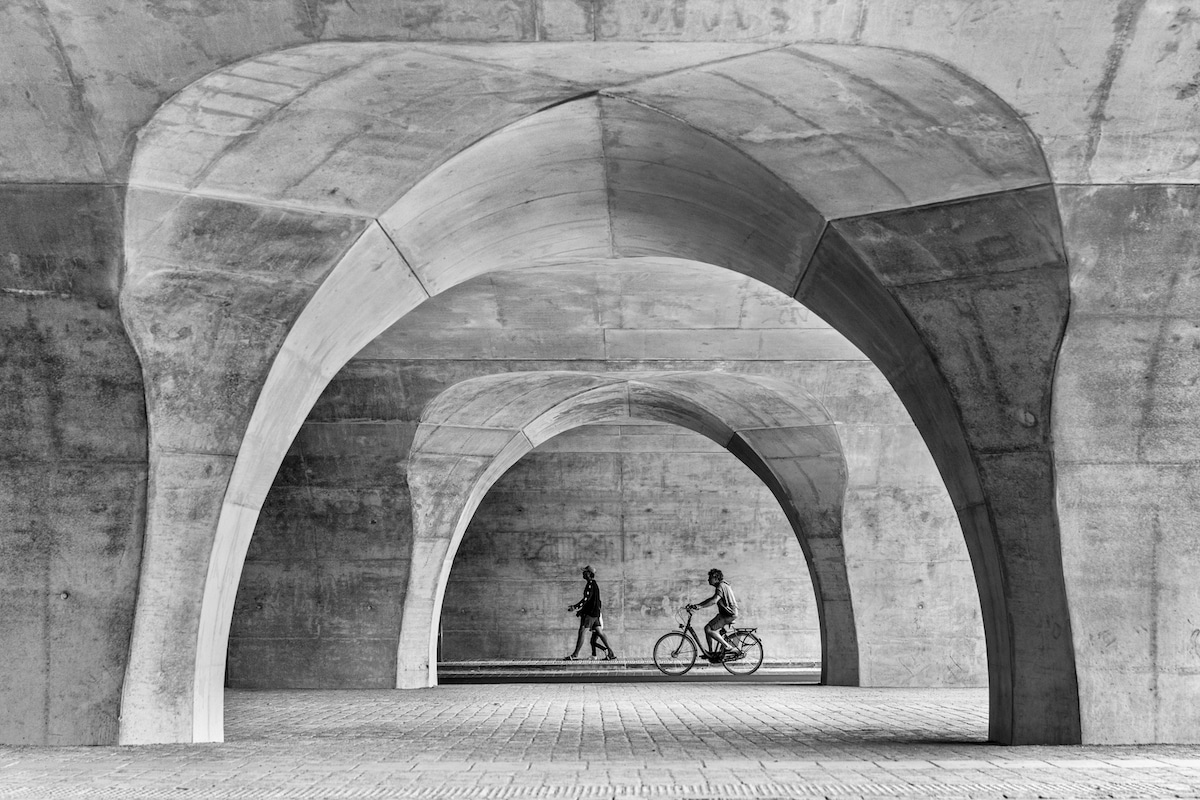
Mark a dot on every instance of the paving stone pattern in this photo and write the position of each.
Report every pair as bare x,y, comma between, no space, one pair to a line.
631,740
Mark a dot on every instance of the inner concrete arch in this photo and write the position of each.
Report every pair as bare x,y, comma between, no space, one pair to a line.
321,590
953,282
476,430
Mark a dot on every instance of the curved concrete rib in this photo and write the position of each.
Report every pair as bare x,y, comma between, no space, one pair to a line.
969,345
893,196
476,430
323,339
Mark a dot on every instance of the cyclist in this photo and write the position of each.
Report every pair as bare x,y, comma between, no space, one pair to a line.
727,611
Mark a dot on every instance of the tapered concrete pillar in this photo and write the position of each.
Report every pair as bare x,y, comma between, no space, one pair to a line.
911,290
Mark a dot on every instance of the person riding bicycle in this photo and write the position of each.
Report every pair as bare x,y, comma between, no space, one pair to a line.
727,610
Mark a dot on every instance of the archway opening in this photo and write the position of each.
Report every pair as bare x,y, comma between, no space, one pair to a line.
915,273
339,482
651,508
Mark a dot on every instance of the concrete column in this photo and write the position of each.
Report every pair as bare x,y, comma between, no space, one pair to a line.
1125,412
934,297
809,480
207,334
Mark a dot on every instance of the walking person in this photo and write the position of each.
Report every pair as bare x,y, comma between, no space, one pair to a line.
588,611
727,610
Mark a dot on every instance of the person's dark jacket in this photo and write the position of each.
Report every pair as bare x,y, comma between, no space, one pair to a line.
589,606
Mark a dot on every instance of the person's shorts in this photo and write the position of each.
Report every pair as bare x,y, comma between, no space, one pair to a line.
720,621
591,623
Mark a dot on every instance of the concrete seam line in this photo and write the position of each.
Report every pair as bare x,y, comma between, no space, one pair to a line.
246,200
698,66
948,201
411,269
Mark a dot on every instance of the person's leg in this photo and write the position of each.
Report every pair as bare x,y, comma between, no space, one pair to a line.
598,634
713,630
578,640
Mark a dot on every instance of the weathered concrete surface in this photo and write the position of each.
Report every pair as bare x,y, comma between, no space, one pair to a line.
348,545
206,347
72,466
319,601
1082,72
185,492
854,131
734,213
48,135
970,274
366,115
472,433
930,310
319,341
1126,402
211,289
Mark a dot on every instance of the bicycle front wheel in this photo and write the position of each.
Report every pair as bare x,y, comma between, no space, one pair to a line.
674,653
752,650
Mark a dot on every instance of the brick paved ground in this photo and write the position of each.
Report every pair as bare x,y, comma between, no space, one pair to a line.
693,740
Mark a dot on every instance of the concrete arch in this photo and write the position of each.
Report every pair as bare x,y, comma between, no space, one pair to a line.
953,281
472,433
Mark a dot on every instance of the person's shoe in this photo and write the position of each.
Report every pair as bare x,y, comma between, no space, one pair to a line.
593,657
611,656
570,658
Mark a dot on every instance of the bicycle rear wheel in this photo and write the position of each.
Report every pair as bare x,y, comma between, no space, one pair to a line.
752,650
674,653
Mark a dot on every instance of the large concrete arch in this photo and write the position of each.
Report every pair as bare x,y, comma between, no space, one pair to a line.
953,281
476,430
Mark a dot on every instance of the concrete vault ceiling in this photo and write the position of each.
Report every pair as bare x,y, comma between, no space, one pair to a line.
631,310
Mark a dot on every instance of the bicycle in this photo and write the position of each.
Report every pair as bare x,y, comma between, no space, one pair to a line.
675,652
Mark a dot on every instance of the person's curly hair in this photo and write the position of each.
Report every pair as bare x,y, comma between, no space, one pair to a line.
720,575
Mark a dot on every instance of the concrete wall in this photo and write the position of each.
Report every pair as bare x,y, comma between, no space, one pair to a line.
319,603
72,466
651,508
1128,463
1082,71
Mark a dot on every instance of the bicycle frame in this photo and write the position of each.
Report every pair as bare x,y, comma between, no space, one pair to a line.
690,632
